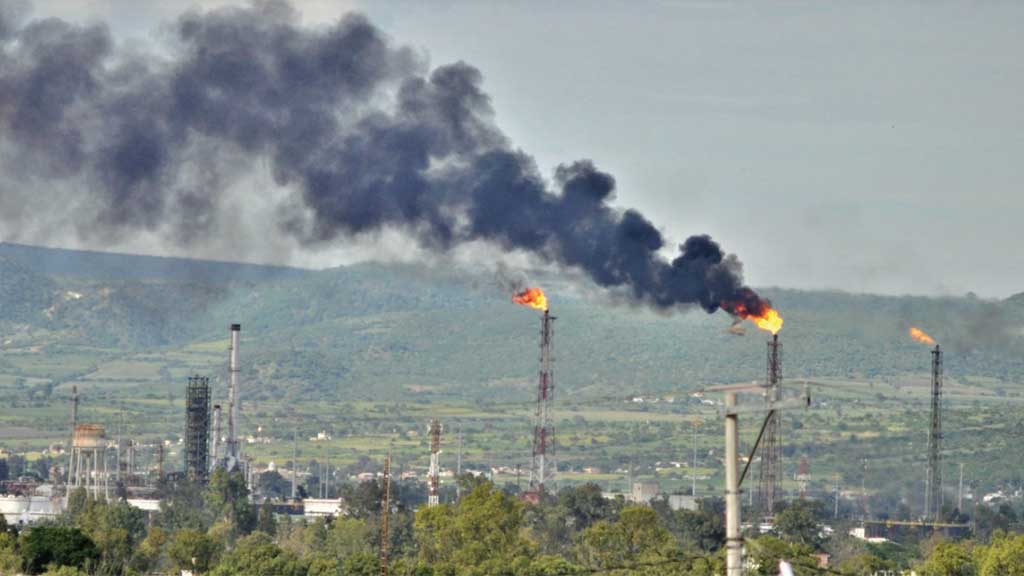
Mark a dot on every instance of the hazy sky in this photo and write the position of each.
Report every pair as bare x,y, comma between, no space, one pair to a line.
867,146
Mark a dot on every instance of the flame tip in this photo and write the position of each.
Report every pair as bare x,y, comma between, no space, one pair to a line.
532,297
920,335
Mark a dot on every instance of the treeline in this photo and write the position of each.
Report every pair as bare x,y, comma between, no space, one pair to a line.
488,532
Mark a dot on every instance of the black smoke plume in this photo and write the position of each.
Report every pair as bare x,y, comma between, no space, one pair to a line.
364,132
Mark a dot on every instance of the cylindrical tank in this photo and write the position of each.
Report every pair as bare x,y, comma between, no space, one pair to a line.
90,436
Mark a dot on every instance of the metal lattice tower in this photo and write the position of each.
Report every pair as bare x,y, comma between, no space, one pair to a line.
197,436
933,496
769,486
544,467
434,478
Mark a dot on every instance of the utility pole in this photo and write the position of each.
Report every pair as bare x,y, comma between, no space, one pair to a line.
835,491
733,537
385,514
160,461
71,443
320,465
864,491
960,491
117,447
693,465
295,463
458,468
733,477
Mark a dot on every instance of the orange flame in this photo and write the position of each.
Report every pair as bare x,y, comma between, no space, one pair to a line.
919,335
769,320
532,297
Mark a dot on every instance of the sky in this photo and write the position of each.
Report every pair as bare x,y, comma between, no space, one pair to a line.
862,146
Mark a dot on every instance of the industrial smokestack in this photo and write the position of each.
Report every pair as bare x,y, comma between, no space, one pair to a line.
215,441
361,135
234,399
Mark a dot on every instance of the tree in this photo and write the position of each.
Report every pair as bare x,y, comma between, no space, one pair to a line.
150,550
183,507
65,571
636,537
553,566
949,559
798,523
348,536
117,529
767,551
702,529
585,505
265,522
363,499
481,535
1004,557
10,561
193,550
228,498
257,554
273,484
57,545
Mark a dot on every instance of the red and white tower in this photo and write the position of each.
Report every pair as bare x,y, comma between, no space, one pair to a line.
434,480
543,466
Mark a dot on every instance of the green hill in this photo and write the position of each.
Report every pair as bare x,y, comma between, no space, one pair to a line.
371,351
375,330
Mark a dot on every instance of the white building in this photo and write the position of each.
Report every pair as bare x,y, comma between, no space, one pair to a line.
323,507
682,502
24,510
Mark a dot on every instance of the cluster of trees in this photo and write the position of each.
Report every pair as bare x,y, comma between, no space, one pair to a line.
215,530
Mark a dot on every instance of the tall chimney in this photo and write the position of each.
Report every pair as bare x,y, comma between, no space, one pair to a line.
74,423
234,398
215,441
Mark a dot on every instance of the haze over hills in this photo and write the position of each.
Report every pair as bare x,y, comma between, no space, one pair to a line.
376,330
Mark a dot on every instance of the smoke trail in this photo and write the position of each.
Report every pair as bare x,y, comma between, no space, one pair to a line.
365,132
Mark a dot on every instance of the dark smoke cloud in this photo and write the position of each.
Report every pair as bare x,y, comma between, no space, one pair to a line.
365,132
